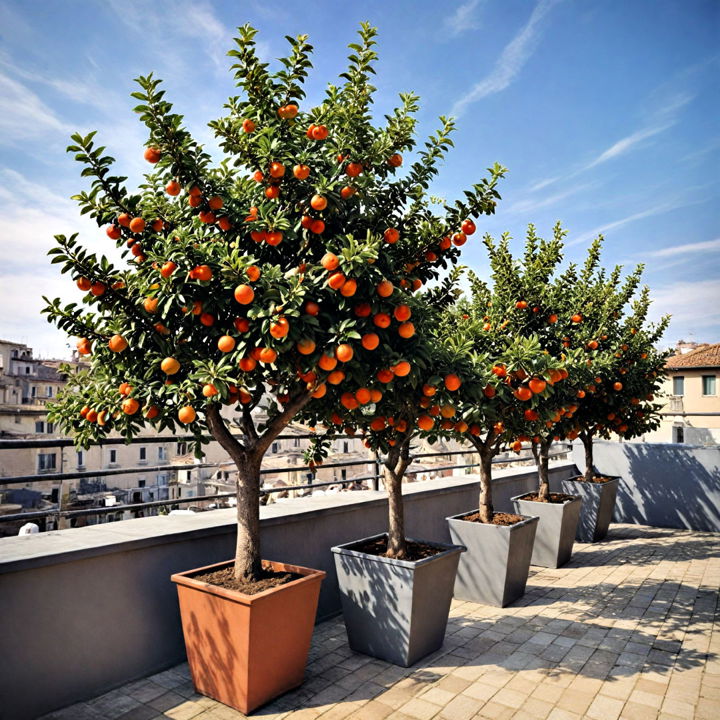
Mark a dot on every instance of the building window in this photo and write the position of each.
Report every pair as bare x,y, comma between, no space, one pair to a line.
162,453
39,426
346,446
181,448
678,434
143,454
33,391
27,372
113,457
141,483
296,442
679,385
275,447
80,458
46,461
50,428
18,419
708,384
49,390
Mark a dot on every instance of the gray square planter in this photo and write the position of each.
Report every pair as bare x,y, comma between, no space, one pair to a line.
395,610
494,570
556,529
598,503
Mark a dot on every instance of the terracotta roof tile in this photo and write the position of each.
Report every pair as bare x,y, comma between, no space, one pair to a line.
706,356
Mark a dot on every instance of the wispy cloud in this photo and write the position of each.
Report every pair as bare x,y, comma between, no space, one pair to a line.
650,212
682,300
511,61
463,19
530,204
687,248
23,115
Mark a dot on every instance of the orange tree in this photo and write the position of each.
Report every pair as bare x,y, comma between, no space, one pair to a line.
397,402
243,281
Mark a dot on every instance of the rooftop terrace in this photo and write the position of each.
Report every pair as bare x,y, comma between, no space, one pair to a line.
628,629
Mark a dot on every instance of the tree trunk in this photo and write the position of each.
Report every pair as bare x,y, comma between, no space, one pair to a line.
486,504
543,461
396,463
587,441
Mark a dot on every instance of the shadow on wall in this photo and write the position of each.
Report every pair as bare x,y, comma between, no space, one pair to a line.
663,485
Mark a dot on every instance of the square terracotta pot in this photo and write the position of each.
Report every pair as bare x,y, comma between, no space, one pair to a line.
245,650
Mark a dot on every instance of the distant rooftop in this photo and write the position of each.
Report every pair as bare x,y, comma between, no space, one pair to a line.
705,356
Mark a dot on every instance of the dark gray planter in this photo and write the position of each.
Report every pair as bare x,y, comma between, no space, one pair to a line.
598,503
494,570
395,610
555,533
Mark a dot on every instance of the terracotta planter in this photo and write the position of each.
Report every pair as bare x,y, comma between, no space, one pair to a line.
598,504
494,570
244,650
396,610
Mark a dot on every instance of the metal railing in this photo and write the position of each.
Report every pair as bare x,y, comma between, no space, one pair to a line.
58,513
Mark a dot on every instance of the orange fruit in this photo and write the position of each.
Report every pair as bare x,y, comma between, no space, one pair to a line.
247,364
207,319
370,341
349,288
83,283
521,304
447,411
318,202
617,386
215,202
113,232
344,353
336,377
402,313
130,406
429,390
385,376
168,269
186,414
452,382
317,227
151,411
272,192
152,155
348,401
353,169
381,320
150,305
98,289
395,160
124,219
375,395
277,170
305,346
137,225
244,294
537,385
170,366
268,356
347,192
425,422
279,328
391,236
362,396
362,309
330,261
301,172
385,288
319,132
336,280
406,330
459,239
468,227
523,393
402,368
209,390
327,362
117,343
226,344
577,318
248,125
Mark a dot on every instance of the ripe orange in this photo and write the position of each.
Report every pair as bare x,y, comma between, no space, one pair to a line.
301,172
531,415
209,390
468,227
215,202
347,192
305,346
521,304
459,239
385,376
425,422
348,401
152,155
248,125
320,391
593,345
150,305
247,364
336,377
336,280
280,327
523,393
207,319
83,346
319,132
207,217
117,343
363,396
186,414
137,225
274,237
125,388
157,225
277,170
353,169
452,382
98,289
330,261
617,386
318,202
317,227
312,308
224,223
226,344
168,269
83,283
194,200
429,390
244,294
362,309
370,341
268,356
391,235
395,160
124,219
258,176
537,385
489,391
402,368
577,318
170,366
327,362
375,395
349,288
406,330
344,352
113,232
402,313
130,406
381,320
552,318
445,243
385,288
272,192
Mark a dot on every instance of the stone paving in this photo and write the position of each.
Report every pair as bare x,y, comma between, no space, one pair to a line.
627,629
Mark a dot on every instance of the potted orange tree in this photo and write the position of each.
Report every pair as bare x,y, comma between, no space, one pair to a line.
619,399
240,284
387,580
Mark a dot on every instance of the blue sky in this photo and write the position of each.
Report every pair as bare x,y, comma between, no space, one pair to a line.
604,111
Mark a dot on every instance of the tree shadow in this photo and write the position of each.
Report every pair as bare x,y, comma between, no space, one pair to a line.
664,485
